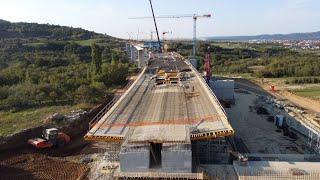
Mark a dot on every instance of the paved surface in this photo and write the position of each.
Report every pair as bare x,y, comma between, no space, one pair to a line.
278,170
262,136
164,112
221,171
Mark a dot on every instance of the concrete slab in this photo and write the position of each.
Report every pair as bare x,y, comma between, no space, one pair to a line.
165,112
160,133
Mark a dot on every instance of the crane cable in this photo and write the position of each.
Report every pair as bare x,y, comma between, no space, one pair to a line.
155,24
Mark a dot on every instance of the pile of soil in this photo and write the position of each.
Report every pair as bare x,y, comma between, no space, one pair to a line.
39,166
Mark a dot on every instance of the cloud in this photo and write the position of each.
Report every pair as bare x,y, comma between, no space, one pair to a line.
298,4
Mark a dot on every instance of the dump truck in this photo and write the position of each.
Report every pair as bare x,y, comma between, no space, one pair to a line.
50,138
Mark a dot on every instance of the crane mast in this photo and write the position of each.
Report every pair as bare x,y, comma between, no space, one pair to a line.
195,18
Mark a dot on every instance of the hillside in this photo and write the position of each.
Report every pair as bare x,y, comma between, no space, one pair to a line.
293,36
45,31
50,68
259,60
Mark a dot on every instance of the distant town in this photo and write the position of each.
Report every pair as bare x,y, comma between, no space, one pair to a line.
292,44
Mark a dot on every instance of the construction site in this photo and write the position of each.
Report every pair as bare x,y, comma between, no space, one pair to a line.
171,124
162,118
173,121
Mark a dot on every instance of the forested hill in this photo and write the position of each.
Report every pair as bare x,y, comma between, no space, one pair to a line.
45,65
293,36
47,31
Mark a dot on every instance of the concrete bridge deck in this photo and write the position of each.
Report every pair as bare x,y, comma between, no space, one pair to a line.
166,112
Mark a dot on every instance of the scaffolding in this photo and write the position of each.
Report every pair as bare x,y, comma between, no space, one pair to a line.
112,151
215,151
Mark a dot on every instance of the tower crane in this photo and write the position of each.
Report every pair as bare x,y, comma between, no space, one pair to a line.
165,46
195,17
151,35
164,33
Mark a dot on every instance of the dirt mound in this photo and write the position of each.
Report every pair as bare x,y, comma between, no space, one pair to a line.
38,166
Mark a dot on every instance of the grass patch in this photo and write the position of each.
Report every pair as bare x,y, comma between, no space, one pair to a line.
303,80
86,42
312,93
38,44
13,122
242,75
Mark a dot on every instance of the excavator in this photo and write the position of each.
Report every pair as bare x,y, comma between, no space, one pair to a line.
50,138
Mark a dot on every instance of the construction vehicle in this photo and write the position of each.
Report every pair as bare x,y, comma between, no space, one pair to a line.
241,158
50,138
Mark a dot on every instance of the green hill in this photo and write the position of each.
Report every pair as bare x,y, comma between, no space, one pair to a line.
46,31
44,68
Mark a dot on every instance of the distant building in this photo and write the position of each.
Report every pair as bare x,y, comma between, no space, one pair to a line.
137,53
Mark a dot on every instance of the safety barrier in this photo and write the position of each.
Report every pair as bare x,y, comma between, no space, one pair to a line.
211,135
104,138
159,175
106,108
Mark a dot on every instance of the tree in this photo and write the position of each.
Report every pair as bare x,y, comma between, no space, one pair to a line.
96,58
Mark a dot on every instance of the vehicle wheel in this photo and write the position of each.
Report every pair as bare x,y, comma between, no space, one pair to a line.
61,143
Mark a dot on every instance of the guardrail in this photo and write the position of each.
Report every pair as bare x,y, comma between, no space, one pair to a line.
107,107
102,112
206,86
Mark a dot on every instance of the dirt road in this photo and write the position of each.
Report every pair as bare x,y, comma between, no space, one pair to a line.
310,105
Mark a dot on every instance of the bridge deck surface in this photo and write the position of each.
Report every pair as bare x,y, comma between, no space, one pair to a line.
163,113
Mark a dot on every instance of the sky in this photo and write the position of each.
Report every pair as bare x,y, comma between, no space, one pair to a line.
229,17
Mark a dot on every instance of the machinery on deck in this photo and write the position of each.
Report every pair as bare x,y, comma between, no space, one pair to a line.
50,138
